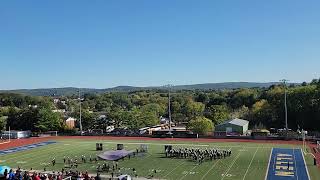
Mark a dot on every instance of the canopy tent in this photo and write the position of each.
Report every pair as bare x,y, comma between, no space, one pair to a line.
124,177
3,168
114,155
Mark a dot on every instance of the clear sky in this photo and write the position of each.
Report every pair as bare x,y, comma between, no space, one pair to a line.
106,43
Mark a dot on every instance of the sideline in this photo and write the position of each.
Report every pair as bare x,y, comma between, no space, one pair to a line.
267,171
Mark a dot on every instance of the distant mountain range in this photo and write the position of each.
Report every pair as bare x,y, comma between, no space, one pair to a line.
67,91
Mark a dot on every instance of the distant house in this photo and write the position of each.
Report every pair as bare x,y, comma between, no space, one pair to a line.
109,129
164,120
33,106
233,126
63,102
181,128
59,110
71,122
102,116
144,130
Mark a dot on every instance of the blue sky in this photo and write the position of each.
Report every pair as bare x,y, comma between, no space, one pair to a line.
105,43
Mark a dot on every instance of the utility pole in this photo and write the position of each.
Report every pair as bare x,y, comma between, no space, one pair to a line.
80,111
9,134
169,107
284,81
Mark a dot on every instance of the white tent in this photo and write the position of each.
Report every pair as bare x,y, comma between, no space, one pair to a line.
124,177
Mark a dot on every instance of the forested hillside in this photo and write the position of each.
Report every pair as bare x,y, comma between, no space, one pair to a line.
263,107
68,91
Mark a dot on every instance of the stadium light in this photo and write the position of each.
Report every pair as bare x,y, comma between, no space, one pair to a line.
284,81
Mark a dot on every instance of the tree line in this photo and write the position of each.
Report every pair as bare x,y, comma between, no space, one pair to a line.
263,107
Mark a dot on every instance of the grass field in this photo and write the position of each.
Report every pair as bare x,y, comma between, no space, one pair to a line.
248,161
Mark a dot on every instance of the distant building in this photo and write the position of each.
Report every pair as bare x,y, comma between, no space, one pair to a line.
71,122
102,116
109,129
144,130
164,120
233,127
33,106
181,128
59,110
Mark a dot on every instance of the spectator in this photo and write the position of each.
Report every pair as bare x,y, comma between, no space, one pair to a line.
11,175
36,176
98,177
18,175
5,174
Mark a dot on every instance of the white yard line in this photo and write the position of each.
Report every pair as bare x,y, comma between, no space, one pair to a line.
267,172
214,165
189,171
244,177
179,165
234,161
305,164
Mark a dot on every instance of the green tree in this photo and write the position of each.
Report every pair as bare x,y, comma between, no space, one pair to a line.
202,97
24,119
217,113
241,112
48,121
3,122
242,97
88,120
261,114
193,109
201,125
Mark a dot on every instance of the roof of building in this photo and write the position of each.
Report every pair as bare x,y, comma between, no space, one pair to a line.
238,122
71,119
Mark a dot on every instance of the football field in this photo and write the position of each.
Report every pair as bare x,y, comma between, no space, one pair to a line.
252,161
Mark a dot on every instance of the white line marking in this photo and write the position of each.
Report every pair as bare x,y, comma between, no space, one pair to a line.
234,161
305,164
244,177
267,172
214,165
174,169
189,171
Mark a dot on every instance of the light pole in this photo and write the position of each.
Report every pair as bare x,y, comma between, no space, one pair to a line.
284,81
9,134
169,105
169,108
80,111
